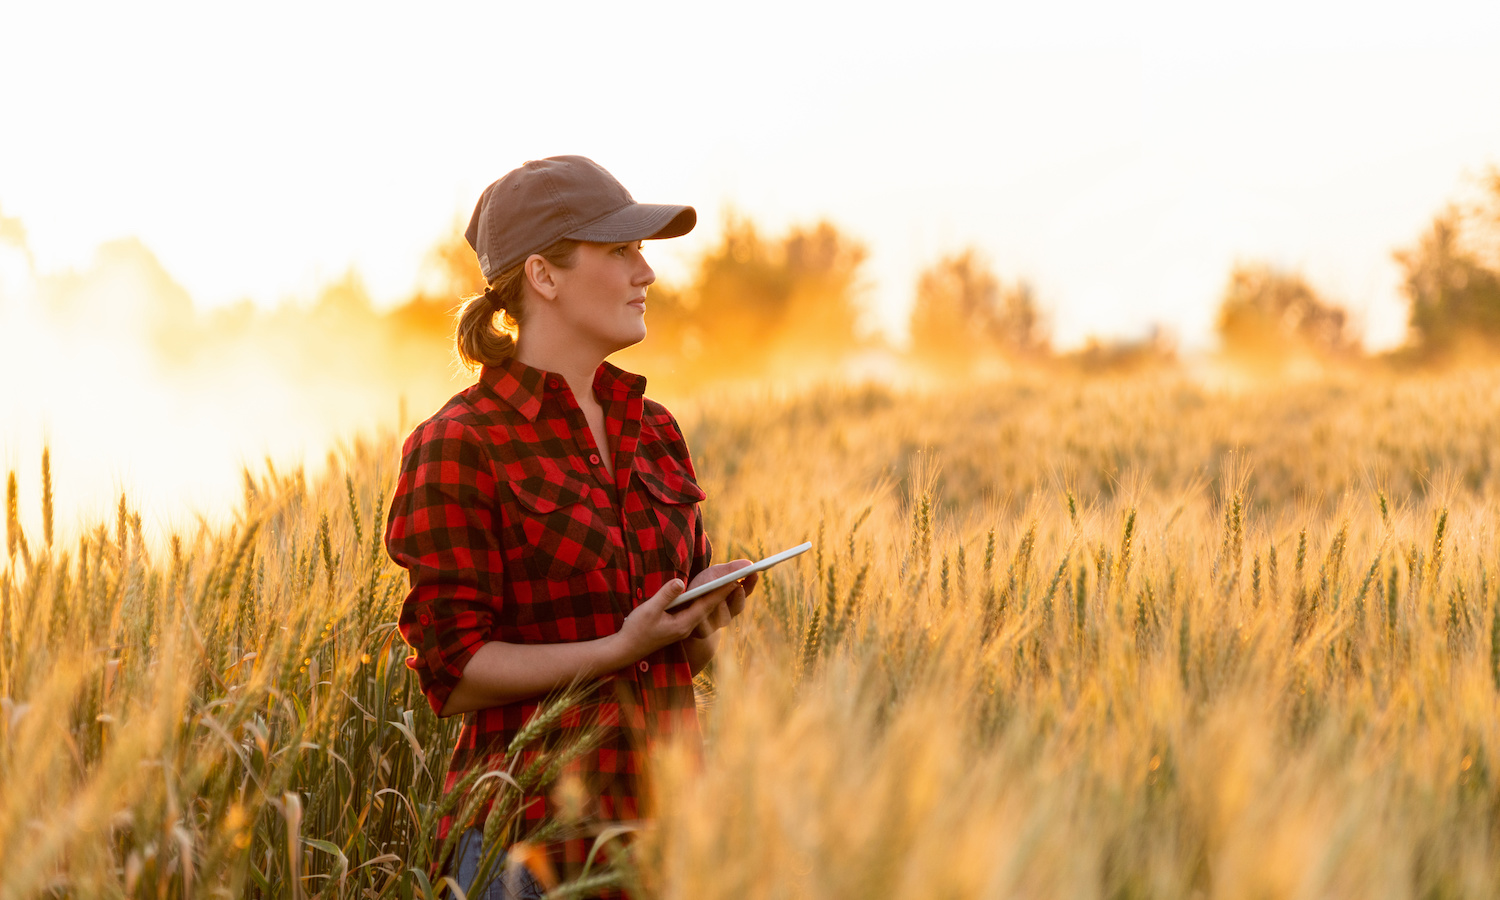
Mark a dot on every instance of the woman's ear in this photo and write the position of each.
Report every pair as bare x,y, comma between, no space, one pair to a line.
539,276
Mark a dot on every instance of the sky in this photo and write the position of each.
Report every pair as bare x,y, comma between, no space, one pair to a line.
1119,157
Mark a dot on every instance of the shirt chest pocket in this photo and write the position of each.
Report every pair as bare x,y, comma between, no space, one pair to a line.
673,498
557,533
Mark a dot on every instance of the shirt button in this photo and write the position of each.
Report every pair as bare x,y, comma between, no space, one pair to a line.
640,594
424,619
552,383
643,665
594,458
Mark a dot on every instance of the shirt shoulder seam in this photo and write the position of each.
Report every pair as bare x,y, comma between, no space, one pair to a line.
461,416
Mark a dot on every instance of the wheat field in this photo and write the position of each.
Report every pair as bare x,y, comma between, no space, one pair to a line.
1121,637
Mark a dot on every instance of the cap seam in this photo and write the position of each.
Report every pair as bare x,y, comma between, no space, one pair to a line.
567,210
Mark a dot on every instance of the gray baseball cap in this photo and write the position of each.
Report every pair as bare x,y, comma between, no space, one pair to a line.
546,200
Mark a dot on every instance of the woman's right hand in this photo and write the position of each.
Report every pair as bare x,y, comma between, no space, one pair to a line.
652,626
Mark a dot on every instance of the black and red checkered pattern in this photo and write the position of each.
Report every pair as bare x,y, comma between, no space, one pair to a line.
512,530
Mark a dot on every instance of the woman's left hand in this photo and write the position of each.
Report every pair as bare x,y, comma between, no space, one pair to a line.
733,602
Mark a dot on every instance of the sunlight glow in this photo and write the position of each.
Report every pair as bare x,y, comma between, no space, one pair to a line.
183,158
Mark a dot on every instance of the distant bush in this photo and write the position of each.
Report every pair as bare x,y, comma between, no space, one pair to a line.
1269,316
450,270
758,306
963,313
1452,278
1156,350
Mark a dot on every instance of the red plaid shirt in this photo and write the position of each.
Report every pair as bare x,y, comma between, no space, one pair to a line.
512,530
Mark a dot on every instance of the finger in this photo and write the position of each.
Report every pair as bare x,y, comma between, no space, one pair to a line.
749,582
719,570
735,603
706,626
667,593
729,595
691,616
717,619
713,598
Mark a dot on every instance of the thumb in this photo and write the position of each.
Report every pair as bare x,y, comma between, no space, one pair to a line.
669,592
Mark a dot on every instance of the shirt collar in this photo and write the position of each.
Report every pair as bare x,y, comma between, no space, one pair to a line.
614,382
524,387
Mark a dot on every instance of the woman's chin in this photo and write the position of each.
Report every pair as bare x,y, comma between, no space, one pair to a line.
635,334
629,338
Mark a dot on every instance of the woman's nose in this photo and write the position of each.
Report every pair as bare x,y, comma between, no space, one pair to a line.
646,275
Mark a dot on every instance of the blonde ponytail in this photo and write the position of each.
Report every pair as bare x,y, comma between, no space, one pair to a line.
489,323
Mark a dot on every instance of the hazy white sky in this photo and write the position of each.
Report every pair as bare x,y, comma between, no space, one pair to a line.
1119,156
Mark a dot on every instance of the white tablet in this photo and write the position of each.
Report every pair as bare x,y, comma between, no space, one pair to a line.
692,594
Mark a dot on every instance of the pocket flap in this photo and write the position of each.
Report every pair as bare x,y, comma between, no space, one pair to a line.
544,495
676,488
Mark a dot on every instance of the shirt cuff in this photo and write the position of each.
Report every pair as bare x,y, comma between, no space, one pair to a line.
439,671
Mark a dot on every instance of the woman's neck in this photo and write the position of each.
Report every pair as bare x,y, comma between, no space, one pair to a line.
575,364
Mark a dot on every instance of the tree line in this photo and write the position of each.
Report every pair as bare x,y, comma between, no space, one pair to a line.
757,305
788,306
1450,280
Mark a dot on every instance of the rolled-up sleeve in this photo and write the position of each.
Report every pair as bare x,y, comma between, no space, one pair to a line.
442,530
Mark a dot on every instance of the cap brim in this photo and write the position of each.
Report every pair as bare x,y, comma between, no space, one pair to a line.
639,222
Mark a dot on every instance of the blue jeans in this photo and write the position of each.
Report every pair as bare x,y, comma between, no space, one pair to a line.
509,882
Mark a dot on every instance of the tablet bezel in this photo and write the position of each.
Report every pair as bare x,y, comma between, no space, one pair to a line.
694,593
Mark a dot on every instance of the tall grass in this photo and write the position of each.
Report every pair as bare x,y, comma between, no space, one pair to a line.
226,716
1059,638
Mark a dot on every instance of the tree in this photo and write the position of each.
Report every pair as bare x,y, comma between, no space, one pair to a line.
1452,278
449,275
1268,315
758,306
963,313
450,269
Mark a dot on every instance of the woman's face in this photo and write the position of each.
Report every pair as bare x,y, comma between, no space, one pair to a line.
602,298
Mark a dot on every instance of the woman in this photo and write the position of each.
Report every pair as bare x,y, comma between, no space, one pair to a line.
549,513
